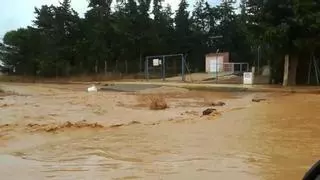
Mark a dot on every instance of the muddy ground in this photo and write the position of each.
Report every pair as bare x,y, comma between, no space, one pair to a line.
52,131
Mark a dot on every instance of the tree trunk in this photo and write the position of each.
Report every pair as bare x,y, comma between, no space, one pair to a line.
105,67
56,71
79,70
67,69
286,71
270,71
140,65
96,67
293,70
126,66
116,68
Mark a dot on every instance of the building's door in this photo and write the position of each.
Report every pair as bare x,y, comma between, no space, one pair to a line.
216,63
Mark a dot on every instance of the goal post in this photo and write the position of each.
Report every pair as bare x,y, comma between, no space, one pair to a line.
160,66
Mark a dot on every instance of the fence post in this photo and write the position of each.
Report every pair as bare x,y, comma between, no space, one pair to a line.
146,69
233,68
163,68
105,67
126,66
140,64
182,68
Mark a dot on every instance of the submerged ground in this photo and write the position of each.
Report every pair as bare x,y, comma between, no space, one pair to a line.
52,131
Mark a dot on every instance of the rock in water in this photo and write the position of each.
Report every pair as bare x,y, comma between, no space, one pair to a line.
208,111
258,100
219,103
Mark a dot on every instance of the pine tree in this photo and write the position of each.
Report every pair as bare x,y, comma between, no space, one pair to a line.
182,28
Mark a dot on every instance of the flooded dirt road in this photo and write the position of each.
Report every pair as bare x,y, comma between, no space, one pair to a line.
273,139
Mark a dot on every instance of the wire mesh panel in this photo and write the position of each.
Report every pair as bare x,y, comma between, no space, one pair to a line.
155,68
226,69
235,68
173,67
165,67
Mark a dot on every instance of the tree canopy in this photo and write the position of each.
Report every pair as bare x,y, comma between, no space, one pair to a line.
60,43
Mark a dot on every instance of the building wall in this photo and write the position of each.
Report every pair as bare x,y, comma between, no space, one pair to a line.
213,56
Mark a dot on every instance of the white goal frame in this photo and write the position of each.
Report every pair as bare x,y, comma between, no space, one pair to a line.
160,61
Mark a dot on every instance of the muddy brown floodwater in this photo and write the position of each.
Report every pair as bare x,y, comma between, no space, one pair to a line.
274,139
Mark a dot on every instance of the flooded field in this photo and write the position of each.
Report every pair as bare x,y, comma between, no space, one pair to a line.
63,132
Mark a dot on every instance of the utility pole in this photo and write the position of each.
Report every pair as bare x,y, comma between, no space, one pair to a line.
217,69
211,38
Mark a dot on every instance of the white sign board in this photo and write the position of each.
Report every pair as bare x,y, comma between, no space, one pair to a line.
248,78
155,62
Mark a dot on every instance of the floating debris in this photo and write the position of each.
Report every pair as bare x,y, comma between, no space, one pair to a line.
134,122
93,88
209,111
218,103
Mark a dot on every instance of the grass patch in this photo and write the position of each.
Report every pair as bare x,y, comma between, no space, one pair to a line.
158,103
154,102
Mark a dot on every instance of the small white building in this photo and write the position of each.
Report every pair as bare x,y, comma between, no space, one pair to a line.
215,61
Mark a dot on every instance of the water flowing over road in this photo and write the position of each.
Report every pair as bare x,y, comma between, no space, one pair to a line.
276,139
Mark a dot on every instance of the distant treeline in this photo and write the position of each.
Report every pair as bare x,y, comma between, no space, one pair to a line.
60,43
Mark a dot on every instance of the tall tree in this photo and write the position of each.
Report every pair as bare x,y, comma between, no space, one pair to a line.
201,32
182,28
161,27
283,28
57,26
127,33
99,33
144,24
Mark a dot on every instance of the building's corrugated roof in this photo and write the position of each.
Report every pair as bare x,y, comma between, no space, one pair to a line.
214,54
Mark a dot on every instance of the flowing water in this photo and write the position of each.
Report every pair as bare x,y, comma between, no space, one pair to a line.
279,139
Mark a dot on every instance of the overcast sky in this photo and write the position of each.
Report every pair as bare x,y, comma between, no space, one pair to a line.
20,13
